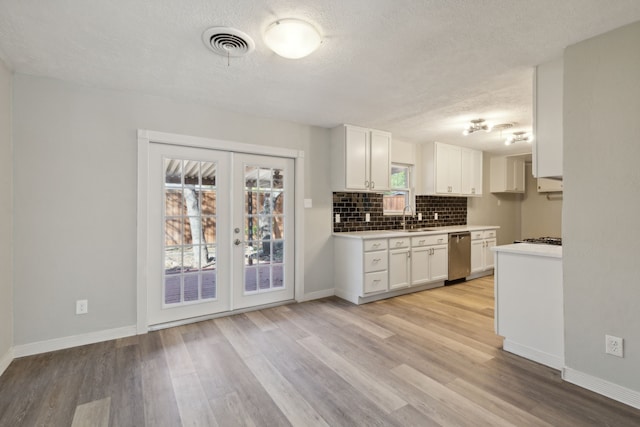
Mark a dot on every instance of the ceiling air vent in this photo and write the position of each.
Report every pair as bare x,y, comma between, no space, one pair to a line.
227,41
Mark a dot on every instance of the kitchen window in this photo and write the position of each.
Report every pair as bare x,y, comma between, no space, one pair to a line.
394,201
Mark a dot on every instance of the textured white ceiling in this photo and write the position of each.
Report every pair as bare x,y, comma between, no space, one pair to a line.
418,68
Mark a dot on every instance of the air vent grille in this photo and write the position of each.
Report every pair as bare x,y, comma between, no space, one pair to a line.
227,41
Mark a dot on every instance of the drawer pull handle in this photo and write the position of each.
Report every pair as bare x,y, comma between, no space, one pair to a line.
376,281
421,242
377,260
375,245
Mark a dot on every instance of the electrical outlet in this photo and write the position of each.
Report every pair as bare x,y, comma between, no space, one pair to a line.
82,306
367,217
435,216
614,345
337,218
419,216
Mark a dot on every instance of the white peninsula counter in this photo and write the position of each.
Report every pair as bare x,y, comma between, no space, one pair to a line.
529,301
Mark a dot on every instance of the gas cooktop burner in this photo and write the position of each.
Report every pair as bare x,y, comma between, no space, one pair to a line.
543,240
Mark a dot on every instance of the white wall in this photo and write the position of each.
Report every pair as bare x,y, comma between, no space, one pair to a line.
602,204
541,216
6,217
502,209
75,188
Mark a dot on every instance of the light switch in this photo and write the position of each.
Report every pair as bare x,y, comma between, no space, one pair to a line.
367,217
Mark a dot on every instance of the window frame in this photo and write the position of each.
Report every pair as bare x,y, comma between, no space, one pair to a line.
408,190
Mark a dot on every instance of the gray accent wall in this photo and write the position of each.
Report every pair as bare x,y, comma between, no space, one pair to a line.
501,209
6,214
601,207
75,189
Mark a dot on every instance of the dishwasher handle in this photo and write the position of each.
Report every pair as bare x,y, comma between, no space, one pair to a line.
459,236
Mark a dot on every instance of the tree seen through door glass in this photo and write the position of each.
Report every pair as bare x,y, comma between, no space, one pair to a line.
264,229
190,231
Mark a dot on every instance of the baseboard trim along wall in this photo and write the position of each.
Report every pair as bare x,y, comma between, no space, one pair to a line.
73,341
603,387
546,359
318,294
5,360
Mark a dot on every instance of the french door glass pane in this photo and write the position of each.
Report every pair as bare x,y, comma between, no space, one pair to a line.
190,231
263,229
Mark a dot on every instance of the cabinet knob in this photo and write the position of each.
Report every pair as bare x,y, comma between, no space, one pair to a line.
373,184
366,184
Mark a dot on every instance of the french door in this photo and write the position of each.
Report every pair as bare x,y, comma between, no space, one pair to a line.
221,237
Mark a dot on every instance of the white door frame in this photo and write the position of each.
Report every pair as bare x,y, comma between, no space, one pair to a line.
146,137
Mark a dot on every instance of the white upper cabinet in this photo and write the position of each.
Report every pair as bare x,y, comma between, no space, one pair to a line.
380,160
471,182
450,170
507,175
447,169
547,120
360,159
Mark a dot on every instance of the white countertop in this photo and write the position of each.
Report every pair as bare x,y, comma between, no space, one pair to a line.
375,234
551,251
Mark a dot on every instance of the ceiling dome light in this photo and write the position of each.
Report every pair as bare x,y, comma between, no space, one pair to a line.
292,38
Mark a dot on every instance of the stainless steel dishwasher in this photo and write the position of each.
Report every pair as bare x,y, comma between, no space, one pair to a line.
459,255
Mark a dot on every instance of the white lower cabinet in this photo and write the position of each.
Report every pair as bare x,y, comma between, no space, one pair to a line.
481,255
399,263
375,282
370,269
429,259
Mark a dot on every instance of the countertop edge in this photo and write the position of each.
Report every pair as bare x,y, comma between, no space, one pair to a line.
382,234
541,250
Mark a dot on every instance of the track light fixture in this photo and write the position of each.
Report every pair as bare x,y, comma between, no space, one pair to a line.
519,137
477,125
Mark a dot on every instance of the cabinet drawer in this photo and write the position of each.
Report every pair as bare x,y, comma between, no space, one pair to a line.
490,234
375,261
477,235
375,245
399,242
439,239
375,282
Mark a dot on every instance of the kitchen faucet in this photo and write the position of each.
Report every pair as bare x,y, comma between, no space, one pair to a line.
404,216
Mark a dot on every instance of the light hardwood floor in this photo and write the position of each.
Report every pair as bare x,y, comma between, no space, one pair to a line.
429,358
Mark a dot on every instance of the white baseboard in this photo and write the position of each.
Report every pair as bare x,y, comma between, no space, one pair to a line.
550,360
480,274
5,360
73,341
603,387
318,294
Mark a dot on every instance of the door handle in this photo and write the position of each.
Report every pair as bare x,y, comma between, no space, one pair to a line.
237,242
